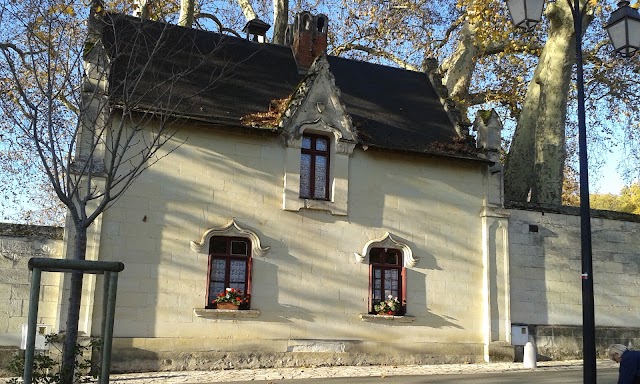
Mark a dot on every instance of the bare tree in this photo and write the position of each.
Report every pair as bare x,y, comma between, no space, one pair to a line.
96,105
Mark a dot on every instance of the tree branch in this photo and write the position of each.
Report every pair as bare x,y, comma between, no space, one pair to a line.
375,52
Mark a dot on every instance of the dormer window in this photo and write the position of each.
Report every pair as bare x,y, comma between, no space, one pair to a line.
314,167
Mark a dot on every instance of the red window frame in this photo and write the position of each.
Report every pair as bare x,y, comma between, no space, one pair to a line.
228,256
314,153
384,259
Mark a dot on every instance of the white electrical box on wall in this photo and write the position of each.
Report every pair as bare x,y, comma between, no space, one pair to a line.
41,341
519,334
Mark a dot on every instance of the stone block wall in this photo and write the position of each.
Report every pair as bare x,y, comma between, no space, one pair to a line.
18,243
309,287
545,278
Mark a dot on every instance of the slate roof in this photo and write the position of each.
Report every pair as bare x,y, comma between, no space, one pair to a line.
225,78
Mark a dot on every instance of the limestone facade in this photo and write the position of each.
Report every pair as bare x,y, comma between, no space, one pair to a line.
309,287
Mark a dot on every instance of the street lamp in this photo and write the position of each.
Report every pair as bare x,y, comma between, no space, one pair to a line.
624,31
525,13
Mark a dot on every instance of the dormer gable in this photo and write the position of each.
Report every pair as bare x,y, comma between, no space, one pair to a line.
315,110
316,102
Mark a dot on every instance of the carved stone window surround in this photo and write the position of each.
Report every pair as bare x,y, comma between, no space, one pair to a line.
387,241
231,229
340,150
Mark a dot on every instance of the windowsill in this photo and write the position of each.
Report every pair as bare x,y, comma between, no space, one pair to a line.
226,313
384,318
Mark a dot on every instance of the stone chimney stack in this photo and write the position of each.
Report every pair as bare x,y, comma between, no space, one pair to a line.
307,37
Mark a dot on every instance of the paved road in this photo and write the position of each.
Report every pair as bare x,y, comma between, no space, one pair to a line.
605,376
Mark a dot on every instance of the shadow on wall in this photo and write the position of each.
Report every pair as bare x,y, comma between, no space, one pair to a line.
135,360
419,286
6,354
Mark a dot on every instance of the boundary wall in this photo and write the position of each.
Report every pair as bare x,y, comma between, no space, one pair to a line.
545,278
18,243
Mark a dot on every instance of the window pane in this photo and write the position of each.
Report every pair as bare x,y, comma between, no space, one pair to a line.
321,178
238,248
217,274
215,289
306,142
239,286
377,273
305,175
321,144
238,269
218,245
391,282
391,275
391,258
374,255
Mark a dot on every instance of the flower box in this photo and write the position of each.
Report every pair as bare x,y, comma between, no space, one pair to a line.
231,298
227,306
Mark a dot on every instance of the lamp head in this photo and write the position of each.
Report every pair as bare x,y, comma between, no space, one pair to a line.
525,14
624,29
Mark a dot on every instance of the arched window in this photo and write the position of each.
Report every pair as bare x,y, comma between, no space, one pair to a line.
229,267
388,260
231,249
387,277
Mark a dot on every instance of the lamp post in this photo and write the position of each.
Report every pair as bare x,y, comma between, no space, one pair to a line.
624,32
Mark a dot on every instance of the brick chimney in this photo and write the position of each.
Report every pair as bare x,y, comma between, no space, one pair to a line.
307,37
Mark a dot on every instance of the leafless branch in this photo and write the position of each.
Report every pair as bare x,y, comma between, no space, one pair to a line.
375,52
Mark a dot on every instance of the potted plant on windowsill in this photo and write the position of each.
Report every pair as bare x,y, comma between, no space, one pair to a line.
389,307
231,298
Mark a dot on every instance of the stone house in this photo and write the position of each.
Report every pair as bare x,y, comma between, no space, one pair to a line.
318,185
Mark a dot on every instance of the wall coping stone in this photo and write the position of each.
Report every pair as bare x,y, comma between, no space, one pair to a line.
23,230
572,211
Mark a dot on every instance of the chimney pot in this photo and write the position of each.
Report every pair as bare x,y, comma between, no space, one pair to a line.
308,38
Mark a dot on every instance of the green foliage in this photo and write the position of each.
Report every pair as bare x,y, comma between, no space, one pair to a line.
627,201
46,369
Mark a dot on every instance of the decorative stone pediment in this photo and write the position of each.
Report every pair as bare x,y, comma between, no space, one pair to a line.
232,229
387,241
316,107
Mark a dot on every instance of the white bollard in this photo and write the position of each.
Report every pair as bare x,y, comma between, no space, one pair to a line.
529,358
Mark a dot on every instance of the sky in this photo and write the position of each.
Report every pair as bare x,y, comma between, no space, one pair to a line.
610,181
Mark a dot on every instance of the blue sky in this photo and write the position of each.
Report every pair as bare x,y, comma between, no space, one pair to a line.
609,180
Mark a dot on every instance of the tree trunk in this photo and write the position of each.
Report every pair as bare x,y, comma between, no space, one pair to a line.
247,9
73,313
280,21
142,8
535,161
459,67
186,13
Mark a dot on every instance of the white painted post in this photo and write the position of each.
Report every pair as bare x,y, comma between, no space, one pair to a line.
529,359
